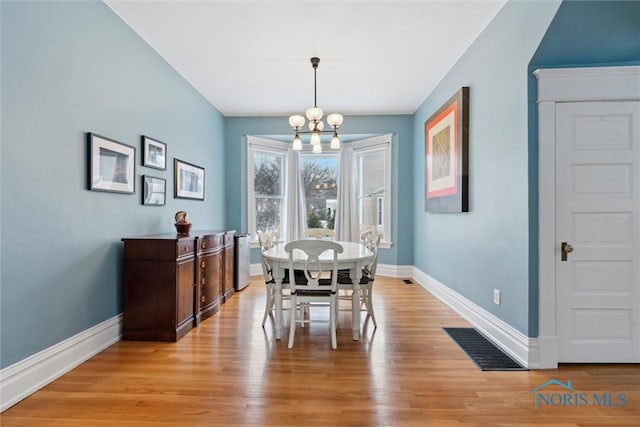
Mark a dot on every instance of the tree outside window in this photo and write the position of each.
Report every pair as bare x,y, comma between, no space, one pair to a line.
320,180
268,191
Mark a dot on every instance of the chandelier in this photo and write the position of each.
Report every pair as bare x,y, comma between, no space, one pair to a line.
316,125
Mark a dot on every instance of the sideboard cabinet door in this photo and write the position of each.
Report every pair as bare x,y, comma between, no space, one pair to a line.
158,287
209,275
227,282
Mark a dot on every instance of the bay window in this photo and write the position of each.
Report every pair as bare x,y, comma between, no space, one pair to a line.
285,187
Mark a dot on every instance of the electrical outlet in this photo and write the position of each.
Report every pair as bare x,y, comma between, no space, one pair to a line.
496,296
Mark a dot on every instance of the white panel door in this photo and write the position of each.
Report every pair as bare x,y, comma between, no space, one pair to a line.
597,211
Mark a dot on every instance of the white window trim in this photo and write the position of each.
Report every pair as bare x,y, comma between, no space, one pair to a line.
374,144
269,146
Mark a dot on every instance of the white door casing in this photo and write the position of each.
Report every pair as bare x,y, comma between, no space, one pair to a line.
556,86
597,159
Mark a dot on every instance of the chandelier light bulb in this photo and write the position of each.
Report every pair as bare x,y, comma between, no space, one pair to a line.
296,121
335,120
335,142
315,139
317,149
314,113
297,143
316,125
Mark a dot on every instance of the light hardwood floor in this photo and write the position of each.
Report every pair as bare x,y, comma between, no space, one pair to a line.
230,371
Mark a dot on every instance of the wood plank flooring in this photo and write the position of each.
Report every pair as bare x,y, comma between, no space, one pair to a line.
231,371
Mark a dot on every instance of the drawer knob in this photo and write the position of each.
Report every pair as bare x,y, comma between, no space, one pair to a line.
203,281
186,248
203,264
203,298
204,245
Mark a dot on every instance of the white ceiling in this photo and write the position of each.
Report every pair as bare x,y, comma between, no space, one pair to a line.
251,58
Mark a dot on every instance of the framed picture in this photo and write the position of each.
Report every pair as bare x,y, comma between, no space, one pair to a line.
154,153
188,180
111,165
447,156
154,191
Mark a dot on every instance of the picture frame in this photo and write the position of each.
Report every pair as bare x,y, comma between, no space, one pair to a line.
154,191
111,165
447,156
188,180
154,153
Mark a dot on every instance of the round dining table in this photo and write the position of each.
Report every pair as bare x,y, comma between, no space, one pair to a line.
353,258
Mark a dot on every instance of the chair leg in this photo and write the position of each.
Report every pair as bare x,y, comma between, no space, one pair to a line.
294,318
369,304
304,312
332,321
268,305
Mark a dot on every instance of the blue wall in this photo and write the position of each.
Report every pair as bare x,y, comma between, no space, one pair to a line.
70,68
582,34
591,32
237,128
488,247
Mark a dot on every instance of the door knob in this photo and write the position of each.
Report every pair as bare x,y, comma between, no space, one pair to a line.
566,249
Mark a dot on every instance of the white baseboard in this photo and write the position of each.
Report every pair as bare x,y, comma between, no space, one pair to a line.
31,374
544,353
395,271
256,270
503,335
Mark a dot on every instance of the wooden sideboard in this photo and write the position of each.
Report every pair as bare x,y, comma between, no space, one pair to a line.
172,282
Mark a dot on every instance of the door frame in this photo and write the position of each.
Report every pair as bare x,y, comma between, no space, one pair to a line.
556,85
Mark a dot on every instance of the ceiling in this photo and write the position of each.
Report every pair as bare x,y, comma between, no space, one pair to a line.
251,58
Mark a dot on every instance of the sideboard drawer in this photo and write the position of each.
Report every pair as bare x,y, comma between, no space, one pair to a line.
209,241
186,247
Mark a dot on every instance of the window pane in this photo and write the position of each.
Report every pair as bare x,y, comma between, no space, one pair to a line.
268,213
320,178
372,173
267,175
371,211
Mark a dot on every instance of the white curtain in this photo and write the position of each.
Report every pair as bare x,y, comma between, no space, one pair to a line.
296,216
347,226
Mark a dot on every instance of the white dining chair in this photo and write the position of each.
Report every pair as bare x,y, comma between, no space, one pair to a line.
319,233
312,288
371,239
267,240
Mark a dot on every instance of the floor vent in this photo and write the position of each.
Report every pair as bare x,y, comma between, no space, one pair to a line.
407,281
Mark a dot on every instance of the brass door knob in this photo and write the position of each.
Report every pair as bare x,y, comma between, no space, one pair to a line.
565,249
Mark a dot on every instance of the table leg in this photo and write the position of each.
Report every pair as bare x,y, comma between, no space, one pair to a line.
278,274
356,275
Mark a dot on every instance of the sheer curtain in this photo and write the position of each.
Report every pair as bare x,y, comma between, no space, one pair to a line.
347,226
296,218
